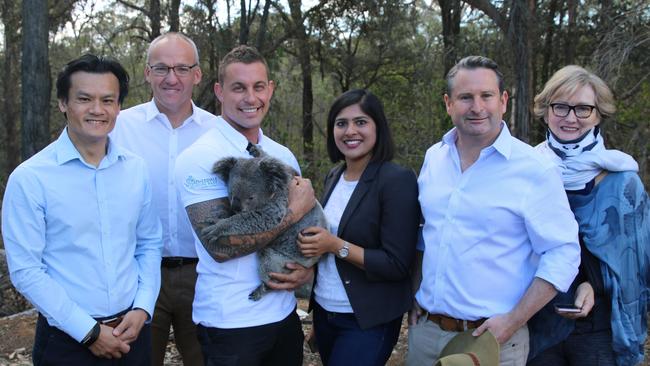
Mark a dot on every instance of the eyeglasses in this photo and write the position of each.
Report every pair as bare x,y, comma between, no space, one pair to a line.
163,70
581,110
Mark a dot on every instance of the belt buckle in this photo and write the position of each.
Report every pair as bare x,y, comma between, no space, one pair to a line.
109,320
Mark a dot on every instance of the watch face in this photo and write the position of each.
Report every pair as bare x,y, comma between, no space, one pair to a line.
343,252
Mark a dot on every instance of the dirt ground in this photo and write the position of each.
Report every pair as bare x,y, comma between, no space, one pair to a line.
17,333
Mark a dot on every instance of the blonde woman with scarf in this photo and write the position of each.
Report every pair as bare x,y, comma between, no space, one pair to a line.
602,320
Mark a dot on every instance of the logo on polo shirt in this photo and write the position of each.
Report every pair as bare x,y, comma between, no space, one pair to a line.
194,183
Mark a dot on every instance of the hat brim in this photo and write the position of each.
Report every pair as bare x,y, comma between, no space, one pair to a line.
485,347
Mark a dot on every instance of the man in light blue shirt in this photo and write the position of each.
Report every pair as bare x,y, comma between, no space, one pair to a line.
82,240
499,238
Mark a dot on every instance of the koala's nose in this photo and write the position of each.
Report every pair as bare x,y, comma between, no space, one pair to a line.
235,204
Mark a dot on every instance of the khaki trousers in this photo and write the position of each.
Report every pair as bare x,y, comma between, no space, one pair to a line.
174,308
426,340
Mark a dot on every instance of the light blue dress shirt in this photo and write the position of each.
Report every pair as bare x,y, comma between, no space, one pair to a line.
489,230
82,241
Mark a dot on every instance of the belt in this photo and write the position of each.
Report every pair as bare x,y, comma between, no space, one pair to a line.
173,262
450,324
113,320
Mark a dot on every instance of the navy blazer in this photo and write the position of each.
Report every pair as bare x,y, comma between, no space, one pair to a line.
382,216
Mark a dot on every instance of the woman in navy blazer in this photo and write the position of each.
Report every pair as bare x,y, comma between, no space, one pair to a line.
362,286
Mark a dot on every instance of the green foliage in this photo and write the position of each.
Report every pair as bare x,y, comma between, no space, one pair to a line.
393,48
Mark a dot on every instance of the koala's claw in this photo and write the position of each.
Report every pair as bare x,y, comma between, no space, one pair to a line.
257,293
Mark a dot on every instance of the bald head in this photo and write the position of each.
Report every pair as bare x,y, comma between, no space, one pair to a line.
163,38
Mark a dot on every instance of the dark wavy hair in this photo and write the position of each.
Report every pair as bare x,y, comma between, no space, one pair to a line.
95,65
384,148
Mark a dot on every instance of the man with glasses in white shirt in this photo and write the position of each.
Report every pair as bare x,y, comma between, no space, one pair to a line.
159,131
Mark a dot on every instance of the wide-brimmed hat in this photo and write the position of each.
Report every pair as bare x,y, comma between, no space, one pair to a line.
466,350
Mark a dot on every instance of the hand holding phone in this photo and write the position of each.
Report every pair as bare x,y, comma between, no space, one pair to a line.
566,308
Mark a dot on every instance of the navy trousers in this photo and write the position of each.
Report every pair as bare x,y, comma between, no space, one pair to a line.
55,347
275,344
342,342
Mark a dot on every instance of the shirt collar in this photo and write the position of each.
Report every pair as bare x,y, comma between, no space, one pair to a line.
66,151
235,137
503,143
152,112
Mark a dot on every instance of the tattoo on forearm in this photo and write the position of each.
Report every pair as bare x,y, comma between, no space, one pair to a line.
209,220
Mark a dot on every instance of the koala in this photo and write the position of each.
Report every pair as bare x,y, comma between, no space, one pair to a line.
258,191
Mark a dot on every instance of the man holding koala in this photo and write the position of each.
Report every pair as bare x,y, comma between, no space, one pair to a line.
232,329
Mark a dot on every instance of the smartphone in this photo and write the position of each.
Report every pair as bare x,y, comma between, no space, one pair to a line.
566,308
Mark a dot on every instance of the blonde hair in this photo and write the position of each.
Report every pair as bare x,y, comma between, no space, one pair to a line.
566,81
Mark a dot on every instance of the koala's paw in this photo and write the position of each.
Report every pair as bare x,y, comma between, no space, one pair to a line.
257,294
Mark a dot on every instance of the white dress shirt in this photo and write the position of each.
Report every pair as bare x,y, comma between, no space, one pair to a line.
147,132
491,229
82,241
222,289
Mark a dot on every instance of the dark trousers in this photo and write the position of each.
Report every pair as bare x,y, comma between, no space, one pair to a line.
272,344
55,347
579,349
342,342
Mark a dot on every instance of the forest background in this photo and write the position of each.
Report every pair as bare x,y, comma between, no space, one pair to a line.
400,50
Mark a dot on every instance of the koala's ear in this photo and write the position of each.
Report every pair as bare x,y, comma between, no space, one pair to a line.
276,174
222,168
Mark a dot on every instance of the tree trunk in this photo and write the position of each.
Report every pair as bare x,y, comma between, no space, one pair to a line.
571,34
451,12
243,24
261,32
307,88
174,9
11,72
36,81
154,17
547,66
519,36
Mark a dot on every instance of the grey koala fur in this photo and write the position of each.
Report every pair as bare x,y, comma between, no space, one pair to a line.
258,190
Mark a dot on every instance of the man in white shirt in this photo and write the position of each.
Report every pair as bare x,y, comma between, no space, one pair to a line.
232,329
159,131
499,238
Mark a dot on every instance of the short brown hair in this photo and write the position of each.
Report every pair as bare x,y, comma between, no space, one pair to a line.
243,54
566,81
471,63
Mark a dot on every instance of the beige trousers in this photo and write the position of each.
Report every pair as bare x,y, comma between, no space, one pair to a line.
426,340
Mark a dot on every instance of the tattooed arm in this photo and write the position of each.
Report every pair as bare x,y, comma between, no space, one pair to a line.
212,216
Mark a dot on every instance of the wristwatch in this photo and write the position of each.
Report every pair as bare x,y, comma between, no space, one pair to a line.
345,250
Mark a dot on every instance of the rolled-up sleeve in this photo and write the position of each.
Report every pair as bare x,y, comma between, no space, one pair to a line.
553,230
